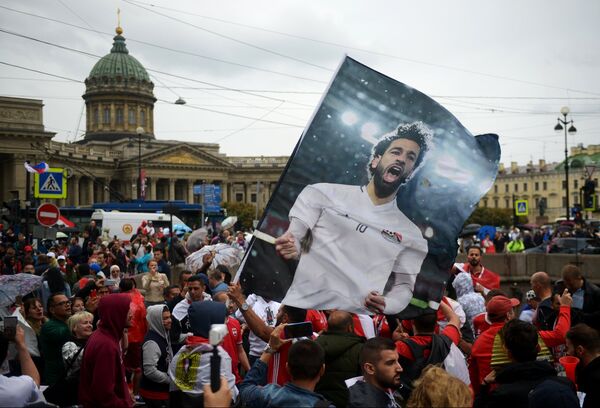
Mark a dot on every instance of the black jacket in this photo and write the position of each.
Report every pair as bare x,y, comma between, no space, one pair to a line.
342,351
515,381
364,395
588,380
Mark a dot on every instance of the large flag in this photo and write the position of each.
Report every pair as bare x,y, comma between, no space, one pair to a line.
36,168
371,202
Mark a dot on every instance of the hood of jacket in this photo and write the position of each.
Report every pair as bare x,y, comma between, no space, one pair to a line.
112,311
155,322
463,284
204,314
336,344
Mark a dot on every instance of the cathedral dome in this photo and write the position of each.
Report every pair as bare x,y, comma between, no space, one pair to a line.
119,64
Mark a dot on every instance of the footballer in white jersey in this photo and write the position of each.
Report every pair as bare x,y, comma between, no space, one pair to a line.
360,253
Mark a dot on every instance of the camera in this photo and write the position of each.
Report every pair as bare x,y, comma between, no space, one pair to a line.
216,334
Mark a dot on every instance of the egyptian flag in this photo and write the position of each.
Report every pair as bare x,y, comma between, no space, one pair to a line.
37,168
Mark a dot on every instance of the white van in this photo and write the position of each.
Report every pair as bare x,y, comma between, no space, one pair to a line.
125,224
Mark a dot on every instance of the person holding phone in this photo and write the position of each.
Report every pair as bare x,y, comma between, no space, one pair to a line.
20,390
154,283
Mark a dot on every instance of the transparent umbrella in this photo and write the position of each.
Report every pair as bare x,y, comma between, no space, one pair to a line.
20,284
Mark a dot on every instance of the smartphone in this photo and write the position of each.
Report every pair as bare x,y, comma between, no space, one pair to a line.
10,327
110,282
294,330
93,293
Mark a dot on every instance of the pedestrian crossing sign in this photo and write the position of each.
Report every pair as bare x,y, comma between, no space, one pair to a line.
521,207
51,184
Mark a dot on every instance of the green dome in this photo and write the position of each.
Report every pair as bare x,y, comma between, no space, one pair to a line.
119,64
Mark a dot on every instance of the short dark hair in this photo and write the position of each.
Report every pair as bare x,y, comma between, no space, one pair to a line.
196,278
474,247
305,360
571,271
521,339
226,273
50,302
425,323
416,131
585,336
126,284
168,289
371,350
295,314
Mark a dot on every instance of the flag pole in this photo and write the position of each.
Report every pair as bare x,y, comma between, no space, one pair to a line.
27,204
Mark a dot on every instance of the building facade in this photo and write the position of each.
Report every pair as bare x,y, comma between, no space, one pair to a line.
105,165
545,182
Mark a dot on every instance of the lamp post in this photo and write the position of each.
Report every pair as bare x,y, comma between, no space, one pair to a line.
571,129
140,133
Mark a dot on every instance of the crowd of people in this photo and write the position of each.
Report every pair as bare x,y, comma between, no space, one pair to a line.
117,326
515,239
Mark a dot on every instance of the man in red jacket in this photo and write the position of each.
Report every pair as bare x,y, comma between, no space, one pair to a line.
484,280
102,380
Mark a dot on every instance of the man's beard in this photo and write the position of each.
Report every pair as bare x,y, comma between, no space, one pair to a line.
474,262
384,189
387,383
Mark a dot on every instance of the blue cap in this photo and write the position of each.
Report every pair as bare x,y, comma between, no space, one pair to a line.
95,267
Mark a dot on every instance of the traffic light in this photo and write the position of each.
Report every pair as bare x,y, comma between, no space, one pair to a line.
589,196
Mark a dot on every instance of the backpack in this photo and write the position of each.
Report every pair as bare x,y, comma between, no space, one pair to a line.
443,352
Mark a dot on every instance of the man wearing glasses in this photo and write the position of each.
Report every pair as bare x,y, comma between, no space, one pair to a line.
54,334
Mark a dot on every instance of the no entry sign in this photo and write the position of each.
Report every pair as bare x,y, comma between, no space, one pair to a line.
47,214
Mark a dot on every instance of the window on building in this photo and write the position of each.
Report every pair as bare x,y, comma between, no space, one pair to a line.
495,189
239,197
506,188
131,114
537,202
253,197
524,186
576,183
119,116
143,117
564,184
106,117
537,186
96,116
545,186
564,201
495,203
506,203
516,187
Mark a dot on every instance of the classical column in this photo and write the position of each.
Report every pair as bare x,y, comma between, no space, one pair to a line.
75,191
172,189
90,192
248,192
190,193
152,186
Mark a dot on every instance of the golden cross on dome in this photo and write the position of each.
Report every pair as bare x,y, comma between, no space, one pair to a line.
119,30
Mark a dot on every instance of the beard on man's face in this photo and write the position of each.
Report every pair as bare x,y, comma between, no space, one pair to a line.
384,188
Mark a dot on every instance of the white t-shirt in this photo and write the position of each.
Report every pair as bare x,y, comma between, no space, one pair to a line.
18,391
267,311
357,247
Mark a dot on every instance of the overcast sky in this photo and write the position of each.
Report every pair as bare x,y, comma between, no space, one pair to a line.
253,72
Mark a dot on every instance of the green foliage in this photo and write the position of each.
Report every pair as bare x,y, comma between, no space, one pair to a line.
245,212
492,216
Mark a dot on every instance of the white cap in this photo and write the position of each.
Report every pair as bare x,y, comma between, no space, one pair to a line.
61,257
101,275
51,255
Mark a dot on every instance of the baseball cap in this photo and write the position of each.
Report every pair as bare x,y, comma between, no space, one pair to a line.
51,255
500,305
28,248
61,257
95,268
101,275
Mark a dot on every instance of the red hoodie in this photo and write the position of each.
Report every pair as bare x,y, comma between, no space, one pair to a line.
102,379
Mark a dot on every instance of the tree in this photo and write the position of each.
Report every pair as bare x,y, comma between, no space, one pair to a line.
243,211
491,216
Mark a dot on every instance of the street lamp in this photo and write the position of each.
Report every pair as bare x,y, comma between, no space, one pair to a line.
140,133
559,126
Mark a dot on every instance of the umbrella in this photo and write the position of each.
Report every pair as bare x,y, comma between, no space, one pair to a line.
229,222
486,230
61,234
225,254
195,240
181,227
20,284
470,229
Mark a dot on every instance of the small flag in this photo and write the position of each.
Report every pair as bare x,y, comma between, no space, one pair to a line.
38,168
